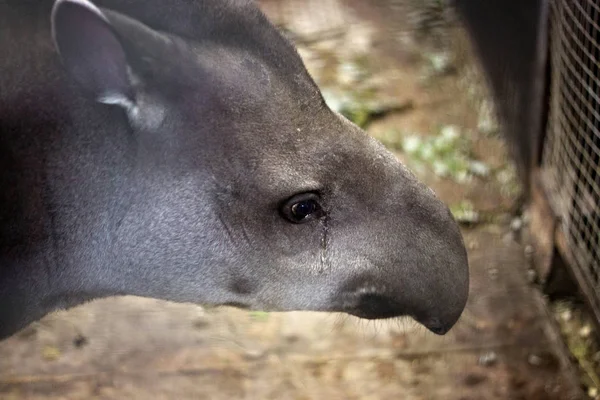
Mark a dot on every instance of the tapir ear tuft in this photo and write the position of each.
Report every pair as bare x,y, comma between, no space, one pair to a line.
92,52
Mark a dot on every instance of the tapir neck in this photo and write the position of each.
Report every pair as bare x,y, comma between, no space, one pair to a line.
65,190
27,250
22,283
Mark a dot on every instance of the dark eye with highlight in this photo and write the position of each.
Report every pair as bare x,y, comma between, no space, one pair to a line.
302,208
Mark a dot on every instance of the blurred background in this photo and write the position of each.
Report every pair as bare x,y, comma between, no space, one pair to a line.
406,72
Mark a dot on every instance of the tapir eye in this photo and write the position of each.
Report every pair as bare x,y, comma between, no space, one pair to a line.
302,208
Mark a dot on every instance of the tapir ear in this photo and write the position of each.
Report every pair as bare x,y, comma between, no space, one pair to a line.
92,52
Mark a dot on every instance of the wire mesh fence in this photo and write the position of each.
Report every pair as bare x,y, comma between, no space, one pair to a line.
571,153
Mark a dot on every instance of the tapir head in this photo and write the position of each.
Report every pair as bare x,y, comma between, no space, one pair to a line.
248,189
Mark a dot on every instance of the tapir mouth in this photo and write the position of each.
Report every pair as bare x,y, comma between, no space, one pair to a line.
236,304
376,306
373,306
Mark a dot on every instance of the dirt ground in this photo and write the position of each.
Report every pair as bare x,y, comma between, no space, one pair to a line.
129,348
504,346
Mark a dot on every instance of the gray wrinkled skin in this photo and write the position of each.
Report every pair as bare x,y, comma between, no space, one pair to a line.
147,147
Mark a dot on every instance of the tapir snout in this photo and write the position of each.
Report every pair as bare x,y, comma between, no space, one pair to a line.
409,253
423,271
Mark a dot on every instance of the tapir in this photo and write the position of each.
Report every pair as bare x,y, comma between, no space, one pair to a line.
180,150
